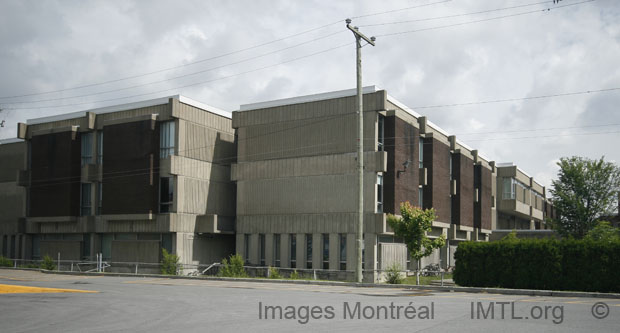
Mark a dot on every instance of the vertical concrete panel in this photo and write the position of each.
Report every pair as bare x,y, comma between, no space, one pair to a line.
285,250
301,251
334,251
253,253
240,243
351,252
317,251
370,251
269,250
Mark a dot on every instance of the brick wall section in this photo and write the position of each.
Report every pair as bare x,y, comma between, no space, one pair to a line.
463,201
437,192
401,144
55,172
482,209
130,179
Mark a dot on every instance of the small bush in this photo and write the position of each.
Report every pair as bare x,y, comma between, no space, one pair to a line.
274,273
5,262
294,275
170,263
233,267
392,274
48,263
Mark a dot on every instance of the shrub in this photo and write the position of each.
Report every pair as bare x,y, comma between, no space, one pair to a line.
48,263
233,267
274,273
294,275
549,264
393,275
5,262
170,263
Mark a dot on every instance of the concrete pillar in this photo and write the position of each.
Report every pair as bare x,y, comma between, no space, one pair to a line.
254,259
240,245
334,251
317,251
370,254
445,255
269,250
301,251
351,252
532,225
285,250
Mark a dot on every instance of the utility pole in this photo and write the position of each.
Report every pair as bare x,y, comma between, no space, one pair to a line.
360,146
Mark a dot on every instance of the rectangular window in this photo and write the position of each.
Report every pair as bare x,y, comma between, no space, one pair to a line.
87,148
246,247
309,251
100,147
99,198
325,251
106,246
261,244
421,152
166,194
293,251
381,133
509,188
166,139
166,242
276,249
85,202
343,252
36,246
420,197
379,193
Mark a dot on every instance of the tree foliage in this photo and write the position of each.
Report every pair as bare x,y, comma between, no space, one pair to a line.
412,226
604,232
170,264
585,190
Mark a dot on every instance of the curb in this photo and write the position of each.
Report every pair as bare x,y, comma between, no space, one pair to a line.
502,291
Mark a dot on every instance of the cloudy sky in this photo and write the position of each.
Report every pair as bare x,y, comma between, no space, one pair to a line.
64,56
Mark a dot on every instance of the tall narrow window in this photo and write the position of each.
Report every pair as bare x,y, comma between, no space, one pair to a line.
343,252
166,194
325,251
420,197
276,249
381,133
246,247
379,193
87,148
308,251
293,251
99,198
261,241
166,139
100,147
86,202
421,152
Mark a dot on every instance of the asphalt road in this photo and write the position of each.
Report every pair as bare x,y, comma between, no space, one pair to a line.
147,304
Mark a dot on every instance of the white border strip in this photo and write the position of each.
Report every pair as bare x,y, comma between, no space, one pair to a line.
306,98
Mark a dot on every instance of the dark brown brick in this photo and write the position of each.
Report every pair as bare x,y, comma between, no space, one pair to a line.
401,144
437,192
482,209
463,201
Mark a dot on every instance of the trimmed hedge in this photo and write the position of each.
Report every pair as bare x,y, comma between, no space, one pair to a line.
548,264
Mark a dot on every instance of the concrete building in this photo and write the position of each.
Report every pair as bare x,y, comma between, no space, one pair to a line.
523,203
296,182
12,199
125,181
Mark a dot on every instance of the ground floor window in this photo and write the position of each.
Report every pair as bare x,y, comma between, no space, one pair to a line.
293,251
276,249
309,251
261,241
343,252
325,251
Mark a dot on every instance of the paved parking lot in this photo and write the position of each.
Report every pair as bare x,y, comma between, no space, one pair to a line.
157,304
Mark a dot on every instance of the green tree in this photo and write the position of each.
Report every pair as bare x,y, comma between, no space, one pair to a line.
412,226
170,264
585,190
604,232
232,267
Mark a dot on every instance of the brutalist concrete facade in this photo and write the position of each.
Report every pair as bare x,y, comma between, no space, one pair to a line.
127,181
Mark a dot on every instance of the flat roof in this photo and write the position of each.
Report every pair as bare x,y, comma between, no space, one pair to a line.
130,106
306,98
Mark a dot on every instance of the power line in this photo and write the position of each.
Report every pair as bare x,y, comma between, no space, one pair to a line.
482,20
215,57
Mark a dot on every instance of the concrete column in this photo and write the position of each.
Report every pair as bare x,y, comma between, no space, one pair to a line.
254,259
285,250
269,250
444,255
370,257
351,252
334,251
301,251
240,244
532,225
317,251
